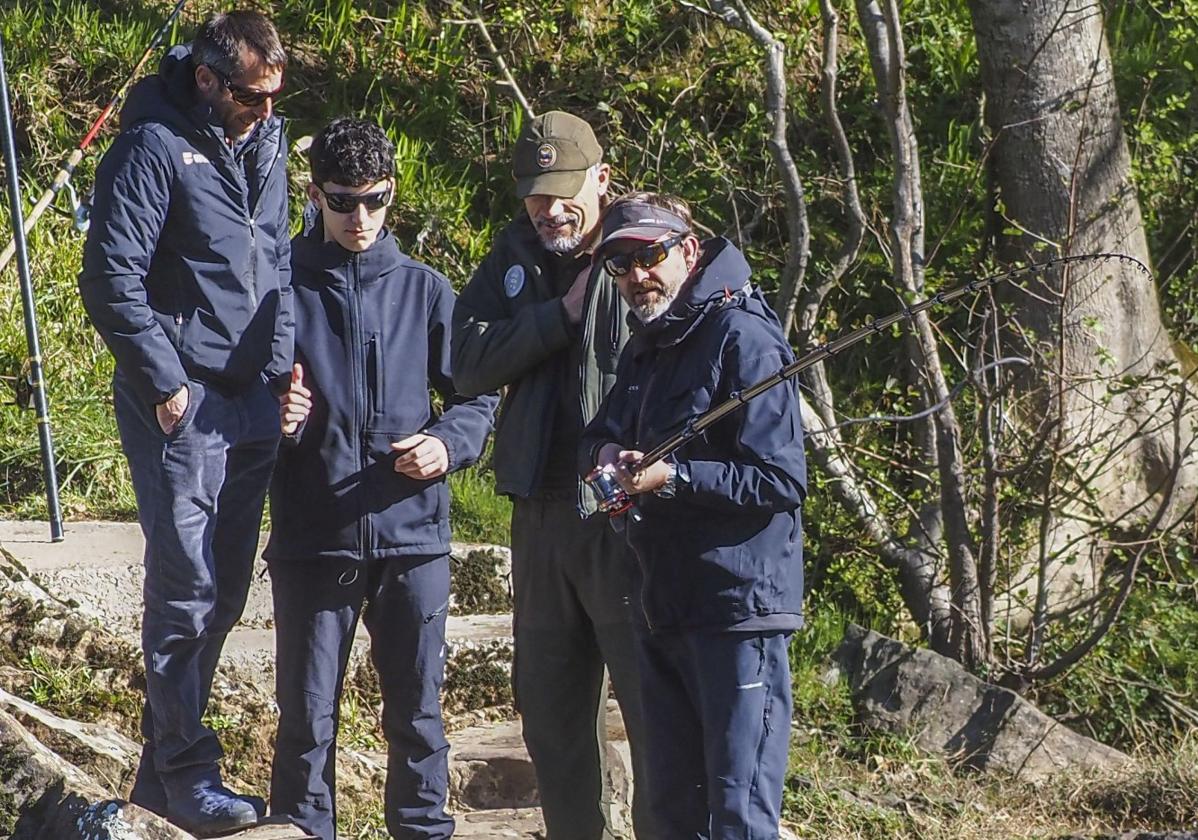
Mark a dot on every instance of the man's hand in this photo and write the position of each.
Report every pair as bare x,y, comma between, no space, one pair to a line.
609,456
576,295
646,481
171,412
421,456
296,404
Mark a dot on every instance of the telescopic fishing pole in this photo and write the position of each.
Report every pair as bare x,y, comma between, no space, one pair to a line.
615,501
67,169
35,353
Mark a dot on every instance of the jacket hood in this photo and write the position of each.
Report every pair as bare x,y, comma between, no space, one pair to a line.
167,96
312,252
722,277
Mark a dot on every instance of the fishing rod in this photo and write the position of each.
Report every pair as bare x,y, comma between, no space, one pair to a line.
67,169
614,499
35,354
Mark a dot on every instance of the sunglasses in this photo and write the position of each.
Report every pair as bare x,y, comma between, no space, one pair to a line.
647,256
249,97
348,202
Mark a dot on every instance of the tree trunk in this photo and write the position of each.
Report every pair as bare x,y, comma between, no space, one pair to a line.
1105,368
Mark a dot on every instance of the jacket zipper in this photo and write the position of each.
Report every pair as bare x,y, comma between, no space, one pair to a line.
358,384
251,223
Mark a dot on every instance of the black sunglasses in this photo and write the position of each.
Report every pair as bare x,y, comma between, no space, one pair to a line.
248,97
647,256
348,202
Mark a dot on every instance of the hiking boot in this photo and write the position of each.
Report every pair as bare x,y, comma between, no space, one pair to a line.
212,810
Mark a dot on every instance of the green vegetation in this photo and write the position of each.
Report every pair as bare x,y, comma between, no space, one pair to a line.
678,98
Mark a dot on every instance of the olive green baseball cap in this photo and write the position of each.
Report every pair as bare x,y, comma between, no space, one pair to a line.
553,154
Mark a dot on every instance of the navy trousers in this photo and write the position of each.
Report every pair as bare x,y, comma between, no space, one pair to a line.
717,714
200,492
403,602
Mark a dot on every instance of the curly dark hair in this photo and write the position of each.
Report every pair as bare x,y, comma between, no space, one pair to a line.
351,152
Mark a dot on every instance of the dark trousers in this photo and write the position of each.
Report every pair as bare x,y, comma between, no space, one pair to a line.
717,713
572,586
403,602
199,492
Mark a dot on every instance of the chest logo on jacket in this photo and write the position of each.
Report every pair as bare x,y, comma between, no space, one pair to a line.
194,157
513,281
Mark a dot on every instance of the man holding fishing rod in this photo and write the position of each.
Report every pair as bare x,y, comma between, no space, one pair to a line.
716,526
186,277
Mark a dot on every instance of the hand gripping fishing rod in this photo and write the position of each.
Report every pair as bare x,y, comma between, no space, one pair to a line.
35,353
614,500
68,166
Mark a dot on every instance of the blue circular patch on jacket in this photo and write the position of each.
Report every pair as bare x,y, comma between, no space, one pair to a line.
513,281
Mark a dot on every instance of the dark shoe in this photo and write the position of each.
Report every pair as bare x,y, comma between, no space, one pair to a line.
148,791
257,801
212,810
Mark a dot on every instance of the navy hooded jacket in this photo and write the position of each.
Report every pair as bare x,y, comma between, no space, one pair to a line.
727,548
372,334
186,271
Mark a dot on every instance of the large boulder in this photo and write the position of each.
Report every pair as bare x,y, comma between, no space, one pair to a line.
102,752
44,797
948,711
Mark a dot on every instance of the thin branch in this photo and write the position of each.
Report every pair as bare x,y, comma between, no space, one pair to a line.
509,81
737,15
1076,653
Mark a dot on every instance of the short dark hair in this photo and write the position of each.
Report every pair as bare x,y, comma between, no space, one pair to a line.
667,202
351,152
221,39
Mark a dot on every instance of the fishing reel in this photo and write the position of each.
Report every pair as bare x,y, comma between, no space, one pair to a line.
613,500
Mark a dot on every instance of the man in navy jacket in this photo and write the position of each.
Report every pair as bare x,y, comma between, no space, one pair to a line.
359,503
718,535
186,278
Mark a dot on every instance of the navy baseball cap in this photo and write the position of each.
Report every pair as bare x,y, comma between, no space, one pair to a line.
641,221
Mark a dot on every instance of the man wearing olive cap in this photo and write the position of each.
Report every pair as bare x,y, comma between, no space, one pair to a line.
536,320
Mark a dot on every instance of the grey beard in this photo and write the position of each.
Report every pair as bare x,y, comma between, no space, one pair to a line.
652,311
561,244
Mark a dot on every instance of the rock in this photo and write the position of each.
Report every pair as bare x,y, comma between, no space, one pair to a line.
43,797
949,711
490,768
114,819
482,580
105,754
522,823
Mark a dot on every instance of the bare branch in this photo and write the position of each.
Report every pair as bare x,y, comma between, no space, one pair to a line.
1075,654
737,15
509,81
883,35
806,310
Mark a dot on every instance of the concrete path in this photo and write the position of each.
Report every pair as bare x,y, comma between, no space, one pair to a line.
98,566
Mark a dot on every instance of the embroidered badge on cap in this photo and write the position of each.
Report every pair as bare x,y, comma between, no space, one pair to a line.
546,155
513,281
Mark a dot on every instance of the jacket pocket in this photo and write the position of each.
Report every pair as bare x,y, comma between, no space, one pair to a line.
374,375
398,502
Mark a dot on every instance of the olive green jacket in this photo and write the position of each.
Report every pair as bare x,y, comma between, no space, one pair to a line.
510,331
